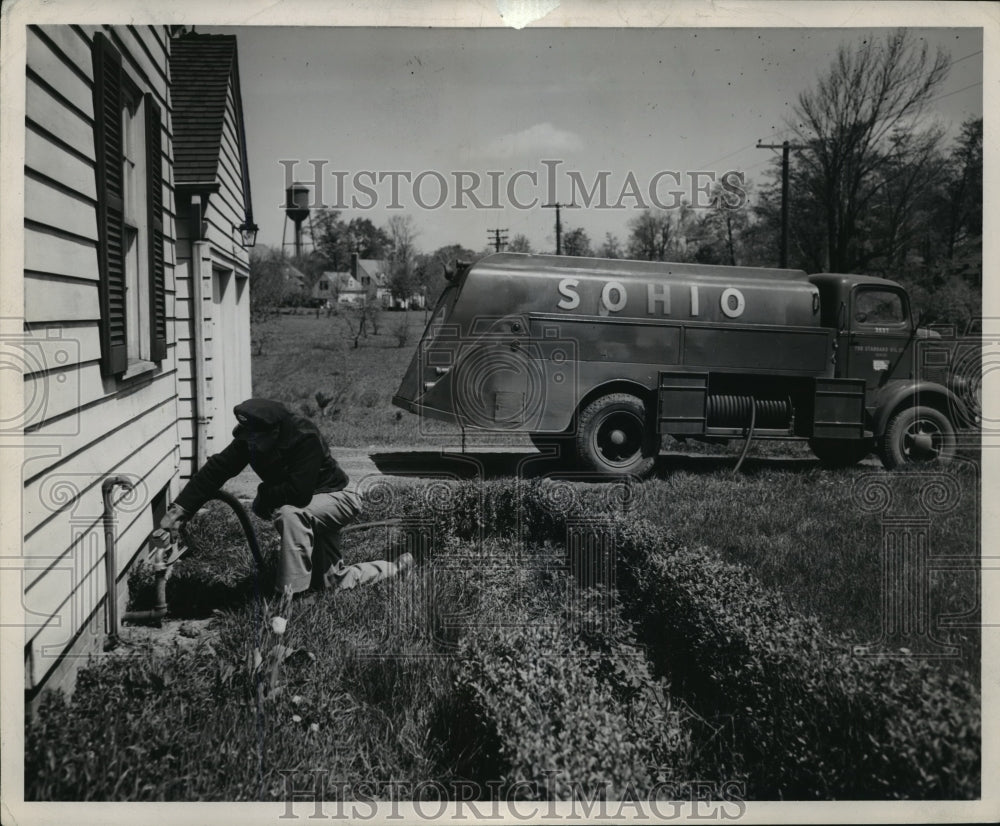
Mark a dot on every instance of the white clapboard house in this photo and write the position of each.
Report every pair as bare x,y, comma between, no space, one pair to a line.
136,339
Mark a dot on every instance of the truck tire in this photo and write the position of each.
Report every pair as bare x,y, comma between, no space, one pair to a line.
613,437
835,453
917,434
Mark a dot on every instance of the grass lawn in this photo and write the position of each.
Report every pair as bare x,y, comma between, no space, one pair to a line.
304,355
804,533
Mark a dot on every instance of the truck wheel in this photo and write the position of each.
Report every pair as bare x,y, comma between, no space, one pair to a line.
613,437
834,453
917,434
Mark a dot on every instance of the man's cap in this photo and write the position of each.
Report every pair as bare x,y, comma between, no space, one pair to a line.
258,415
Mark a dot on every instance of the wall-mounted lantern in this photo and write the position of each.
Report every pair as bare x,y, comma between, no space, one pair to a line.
248,232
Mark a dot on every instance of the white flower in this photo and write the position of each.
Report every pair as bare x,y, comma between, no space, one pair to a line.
298,698
314,727
296,718
278,624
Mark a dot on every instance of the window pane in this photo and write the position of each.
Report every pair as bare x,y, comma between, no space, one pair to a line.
879,307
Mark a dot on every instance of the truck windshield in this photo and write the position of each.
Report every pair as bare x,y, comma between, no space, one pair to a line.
882,307
441,312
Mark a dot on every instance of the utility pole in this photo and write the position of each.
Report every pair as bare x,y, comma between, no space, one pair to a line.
499,238
557,206
785,148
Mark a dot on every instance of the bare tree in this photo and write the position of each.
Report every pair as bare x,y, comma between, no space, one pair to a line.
519,243
651,235
268,268
719,236
872,91
576,242
402,258
611,248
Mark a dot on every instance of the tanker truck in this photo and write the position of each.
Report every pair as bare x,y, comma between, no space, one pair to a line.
598,359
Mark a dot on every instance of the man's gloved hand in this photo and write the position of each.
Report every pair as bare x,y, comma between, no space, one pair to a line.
258,508
173,519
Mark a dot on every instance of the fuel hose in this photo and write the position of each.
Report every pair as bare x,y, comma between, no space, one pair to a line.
746,444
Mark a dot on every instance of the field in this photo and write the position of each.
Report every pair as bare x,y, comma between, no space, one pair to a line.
558,640
305,355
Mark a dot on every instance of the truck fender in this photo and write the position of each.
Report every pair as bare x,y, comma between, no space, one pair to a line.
896,397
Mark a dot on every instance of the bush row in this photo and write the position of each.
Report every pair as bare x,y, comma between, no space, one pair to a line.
553,718
802,717
805,717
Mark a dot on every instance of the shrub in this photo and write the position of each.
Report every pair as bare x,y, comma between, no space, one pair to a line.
555,719
805,718
798,713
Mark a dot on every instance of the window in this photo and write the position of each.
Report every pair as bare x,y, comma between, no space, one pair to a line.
127,137
881,307
323,286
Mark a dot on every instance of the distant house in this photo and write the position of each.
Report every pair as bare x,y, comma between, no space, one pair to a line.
365,280
371,273
136,306
368,278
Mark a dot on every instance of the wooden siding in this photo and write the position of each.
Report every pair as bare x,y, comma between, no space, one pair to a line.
80,426
226,356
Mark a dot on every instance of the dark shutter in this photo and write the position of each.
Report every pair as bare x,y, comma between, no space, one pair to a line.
154,188
110,204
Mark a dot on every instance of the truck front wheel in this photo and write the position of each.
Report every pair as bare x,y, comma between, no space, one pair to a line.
917,434
613,437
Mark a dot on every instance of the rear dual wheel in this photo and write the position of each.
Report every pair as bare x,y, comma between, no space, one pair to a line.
614,437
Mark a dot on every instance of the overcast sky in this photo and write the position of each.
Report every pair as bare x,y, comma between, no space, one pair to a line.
442,101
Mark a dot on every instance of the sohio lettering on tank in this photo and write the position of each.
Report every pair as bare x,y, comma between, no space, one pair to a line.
614,297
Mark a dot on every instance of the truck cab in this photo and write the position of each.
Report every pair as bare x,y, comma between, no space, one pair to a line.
873,324
911,410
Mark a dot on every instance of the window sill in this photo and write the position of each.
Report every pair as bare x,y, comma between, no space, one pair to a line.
137,368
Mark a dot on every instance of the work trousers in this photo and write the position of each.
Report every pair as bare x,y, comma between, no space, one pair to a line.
310,545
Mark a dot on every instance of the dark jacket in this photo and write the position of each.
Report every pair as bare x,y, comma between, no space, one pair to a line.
296,466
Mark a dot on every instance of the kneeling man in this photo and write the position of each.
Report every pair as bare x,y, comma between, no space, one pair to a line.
303,491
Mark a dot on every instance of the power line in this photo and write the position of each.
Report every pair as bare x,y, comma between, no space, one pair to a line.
743,149
557,206
949,94
786,149
790,128
966,57
497,237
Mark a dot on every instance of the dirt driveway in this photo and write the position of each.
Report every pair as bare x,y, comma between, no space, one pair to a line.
494,462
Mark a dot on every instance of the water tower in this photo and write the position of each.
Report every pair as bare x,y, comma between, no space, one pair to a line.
297,200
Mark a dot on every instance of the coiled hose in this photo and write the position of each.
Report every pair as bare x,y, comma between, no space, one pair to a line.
733,411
